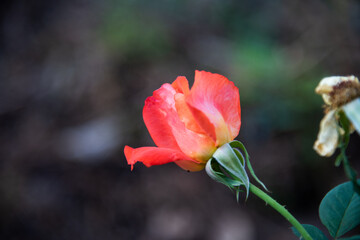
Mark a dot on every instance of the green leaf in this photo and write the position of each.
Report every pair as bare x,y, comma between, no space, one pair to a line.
357,237
314,232
340,210
352,111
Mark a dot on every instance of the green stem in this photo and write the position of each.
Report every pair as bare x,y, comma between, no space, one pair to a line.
349,171
282,210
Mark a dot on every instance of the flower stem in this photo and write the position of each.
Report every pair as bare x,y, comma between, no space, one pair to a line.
282,210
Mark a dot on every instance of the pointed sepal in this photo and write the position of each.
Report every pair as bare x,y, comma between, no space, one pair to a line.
239,145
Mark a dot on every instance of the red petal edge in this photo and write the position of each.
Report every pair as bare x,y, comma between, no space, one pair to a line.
151,156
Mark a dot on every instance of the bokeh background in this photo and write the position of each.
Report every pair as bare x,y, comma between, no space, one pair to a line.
73,79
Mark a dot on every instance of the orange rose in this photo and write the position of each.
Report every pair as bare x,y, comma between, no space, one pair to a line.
188,125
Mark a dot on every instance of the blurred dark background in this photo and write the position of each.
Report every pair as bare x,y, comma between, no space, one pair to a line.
73,79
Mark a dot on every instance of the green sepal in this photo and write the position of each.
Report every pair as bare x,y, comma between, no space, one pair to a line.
214,171
338,160
233,163
237,144
228,166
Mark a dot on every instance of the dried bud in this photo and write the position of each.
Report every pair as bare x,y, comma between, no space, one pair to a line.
337,91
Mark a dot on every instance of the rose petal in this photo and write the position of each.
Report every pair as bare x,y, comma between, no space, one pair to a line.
181,85
215,104
328,136
186,115
167,129
156,113
190,166
150,156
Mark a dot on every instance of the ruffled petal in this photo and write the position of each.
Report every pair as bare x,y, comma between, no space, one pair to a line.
328,136
151,156
215,104
157,110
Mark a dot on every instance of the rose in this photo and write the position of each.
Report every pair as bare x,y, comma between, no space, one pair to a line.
188,125
195,128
